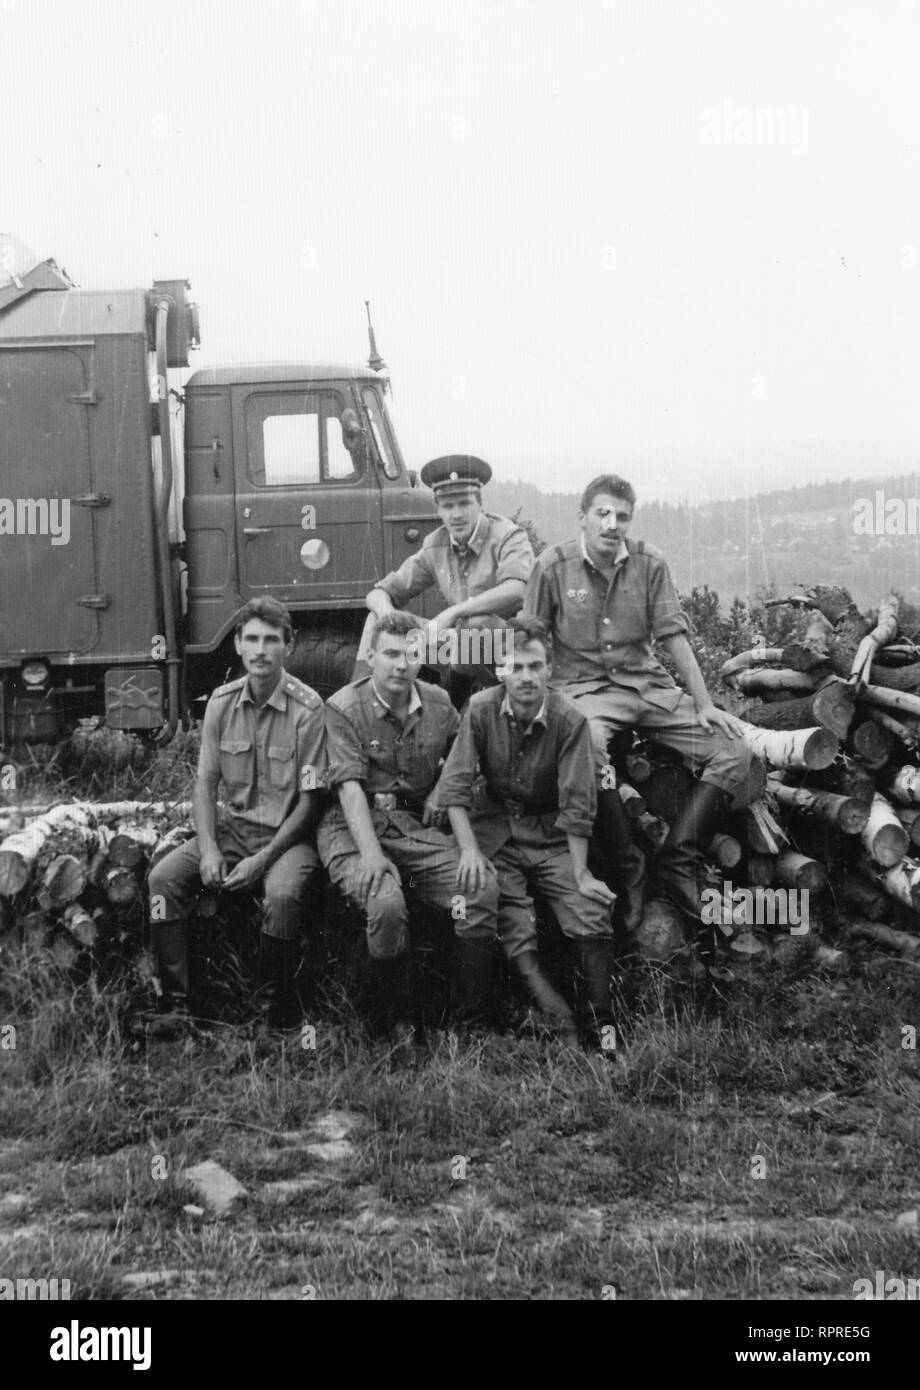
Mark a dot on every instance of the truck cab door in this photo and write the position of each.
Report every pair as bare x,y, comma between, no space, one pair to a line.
307,497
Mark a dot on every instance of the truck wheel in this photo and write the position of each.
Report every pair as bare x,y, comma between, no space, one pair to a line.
323,658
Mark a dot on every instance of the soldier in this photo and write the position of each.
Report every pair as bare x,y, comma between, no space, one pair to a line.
263,736
605,598
479,561
387,734
535,752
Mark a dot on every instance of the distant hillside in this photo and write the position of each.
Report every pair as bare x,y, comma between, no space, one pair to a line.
784,538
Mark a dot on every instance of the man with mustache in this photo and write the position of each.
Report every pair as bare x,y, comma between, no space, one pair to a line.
606,598
263,737
534,750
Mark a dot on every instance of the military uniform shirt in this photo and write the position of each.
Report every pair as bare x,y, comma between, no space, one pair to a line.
497,550
603,626
264,757
544,771
366,743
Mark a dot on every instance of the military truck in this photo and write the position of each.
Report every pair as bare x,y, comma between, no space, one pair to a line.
141,506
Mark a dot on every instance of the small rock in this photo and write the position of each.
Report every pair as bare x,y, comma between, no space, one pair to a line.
191,1210
217,1188
286,1188
335,1124
370,1221
908,1220
151,1278
12,1202
333,1151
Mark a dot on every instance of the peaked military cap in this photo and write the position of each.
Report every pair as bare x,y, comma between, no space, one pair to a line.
455,471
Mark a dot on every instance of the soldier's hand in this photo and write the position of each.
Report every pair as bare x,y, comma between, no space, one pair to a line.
472,871
247,872
595,889
709,718
372,869
213,868
433,814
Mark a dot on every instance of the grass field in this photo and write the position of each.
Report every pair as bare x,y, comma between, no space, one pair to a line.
758,1141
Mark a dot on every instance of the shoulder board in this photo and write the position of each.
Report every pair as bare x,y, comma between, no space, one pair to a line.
643,548
302,693
436,693
230,689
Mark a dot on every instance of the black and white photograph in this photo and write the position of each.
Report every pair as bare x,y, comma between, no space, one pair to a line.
460,664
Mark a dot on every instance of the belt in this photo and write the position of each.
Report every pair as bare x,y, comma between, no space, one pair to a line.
520,806
396,801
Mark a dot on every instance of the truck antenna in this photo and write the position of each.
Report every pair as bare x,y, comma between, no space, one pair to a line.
375,361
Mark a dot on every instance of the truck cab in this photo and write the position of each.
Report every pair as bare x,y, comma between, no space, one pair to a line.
138,515
295,486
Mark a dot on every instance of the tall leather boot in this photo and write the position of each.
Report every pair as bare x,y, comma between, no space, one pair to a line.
474,966
276,982
543,994
591,956
391,1007
624,860
170,947
680,870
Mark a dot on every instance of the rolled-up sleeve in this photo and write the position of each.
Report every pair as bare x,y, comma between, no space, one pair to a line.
577,788
455,785
346,760
414,576
515,558
665,615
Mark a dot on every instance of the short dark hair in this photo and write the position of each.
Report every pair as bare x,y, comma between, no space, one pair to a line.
397,624
531,629
608,482
268,610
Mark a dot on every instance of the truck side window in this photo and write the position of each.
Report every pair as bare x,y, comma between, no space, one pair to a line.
295,439
381,438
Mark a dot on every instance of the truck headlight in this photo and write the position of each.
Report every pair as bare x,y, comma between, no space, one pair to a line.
35,673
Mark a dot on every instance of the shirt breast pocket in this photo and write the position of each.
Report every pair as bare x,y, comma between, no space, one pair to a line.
281,767
236,762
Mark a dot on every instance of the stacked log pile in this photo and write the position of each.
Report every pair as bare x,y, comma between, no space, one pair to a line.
833,814
835,718
71,876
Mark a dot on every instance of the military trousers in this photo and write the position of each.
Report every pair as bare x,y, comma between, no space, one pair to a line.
528,864
427,860
174,884
722,760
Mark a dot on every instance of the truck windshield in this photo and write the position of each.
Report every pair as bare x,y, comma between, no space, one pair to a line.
381,430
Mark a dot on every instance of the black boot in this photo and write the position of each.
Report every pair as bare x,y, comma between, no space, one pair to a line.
624,860
391,1009
170,948
591,958
543,994
276,982
680,873
474,965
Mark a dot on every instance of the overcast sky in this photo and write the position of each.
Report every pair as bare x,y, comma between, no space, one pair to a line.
676,237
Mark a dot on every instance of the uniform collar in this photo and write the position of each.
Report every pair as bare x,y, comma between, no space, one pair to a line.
415,699
621,555
475,541
539,717
277,699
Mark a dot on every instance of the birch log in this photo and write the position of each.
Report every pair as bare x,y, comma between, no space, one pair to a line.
813,748
841,812
19,852
884,837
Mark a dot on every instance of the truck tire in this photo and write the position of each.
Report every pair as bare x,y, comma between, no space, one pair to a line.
323,658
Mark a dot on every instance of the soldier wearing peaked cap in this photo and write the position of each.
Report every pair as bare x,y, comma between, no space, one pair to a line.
263,737
479,561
